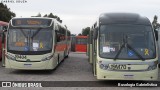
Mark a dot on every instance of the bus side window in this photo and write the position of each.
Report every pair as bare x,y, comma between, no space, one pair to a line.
57,33
57,36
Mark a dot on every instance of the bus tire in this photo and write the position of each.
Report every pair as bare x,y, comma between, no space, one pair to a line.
92,68
58,61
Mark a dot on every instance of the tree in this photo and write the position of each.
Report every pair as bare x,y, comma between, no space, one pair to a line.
38,15
50,16
79,34
53,16
6,14
45,15
85,31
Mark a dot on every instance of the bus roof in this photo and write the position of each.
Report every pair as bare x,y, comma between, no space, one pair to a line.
2,23
33,22
123,18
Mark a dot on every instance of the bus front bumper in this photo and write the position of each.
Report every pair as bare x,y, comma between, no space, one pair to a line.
42,65
124,75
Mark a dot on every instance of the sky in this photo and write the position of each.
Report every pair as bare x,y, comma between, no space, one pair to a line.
79,14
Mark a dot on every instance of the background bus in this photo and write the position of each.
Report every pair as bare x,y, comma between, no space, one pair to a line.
123,47
81,44
73,42
36,43
3,26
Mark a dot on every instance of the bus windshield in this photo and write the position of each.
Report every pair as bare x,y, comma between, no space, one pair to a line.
29,40
125,41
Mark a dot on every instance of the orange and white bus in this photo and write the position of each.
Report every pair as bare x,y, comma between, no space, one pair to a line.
36,43
3,26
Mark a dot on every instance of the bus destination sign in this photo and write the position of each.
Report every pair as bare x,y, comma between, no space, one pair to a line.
31,22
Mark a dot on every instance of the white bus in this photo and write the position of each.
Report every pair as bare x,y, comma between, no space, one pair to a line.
36,43
123,47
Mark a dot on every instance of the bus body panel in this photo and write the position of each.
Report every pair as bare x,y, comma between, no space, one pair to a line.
114,75
90,54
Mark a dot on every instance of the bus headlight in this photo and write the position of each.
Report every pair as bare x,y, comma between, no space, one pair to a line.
47,58
104,67
10,57
152,67
101,66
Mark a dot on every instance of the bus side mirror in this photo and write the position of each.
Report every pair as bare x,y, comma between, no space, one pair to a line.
95,33
5,29
156,34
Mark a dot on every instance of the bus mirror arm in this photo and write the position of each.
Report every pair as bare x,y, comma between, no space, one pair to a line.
5,30
95,33
156,35
94,53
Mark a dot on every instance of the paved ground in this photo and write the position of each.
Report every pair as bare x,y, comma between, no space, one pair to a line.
74,68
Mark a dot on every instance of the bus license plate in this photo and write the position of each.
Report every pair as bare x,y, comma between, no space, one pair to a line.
117,67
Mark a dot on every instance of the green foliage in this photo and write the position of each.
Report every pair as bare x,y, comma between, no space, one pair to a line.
85,31
50,16
53,16
79,34
73,34
5,13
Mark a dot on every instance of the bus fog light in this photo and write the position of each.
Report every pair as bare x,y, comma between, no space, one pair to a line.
47,58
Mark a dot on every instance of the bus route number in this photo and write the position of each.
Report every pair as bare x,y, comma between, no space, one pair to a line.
117,67
21,56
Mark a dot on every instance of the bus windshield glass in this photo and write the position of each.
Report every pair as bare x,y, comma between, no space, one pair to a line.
29,40
123,41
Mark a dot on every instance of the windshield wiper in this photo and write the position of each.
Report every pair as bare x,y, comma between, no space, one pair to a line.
131,48
125,44
35,33
23,33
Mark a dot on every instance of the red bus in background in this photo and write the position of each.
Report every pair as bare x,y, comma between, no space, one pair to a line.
81,44
3,26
